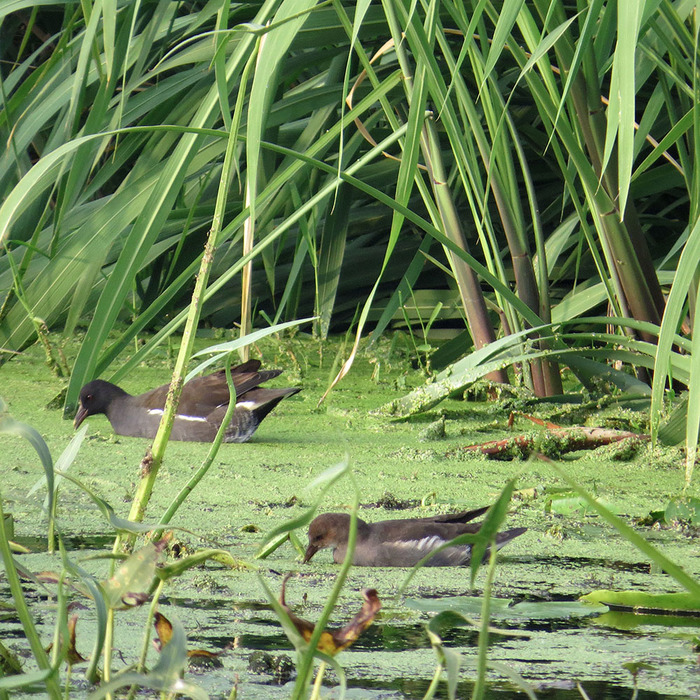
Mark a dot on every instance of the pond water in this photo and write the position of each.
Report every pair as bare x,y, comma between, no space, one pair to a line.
254,487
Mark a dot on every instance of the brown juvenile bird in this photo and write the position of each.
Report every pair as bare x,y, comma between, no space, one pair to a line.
400,542
203,404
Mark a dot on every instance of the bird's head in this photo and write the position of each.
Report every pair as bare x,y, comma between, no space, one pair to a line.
327,530
95,398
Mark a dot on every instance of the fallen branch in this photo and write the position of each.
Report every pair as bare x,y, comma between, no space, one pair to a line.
553,441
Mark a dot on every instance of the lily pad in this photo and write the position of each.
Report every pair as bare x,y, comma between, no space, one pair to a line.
649,603
686,510
503,608
466,605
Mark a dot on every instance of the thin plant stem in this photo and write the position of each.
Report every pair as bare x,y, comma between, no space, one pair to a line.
40,327
249,223
52,687
150,464
211,454
318,683
480,684
109,638
66,692
435,681
582,691
307,660
61,635
141,666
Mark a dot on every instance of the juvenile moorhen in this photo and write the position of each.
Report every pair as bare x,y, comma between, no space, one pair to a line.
400,542
202,406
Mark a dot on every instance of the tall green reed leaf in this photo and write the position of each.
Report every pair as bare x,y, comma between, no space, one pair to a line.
9,425
675,306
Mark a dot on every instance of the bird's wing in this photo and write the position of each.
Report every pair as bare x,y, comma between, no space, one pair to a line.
410,552
463,517
408,541
155,398
202,395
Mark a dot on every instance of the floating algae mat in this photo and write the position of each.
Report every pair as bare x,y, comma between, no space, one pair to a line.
401,469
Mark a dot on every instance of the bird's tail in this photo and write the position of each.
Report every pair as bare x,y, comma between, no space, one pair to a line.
503,538
251,409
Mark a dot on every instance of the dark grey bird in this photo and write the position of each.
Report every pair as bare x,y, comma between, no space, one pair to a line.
400,542
202,407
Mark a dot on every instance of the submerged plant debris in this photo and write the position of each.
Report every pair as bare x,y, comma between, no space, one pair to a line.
567,551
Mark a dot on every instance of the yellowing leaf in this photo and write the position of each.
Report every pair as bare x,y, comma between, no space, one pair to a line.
333,641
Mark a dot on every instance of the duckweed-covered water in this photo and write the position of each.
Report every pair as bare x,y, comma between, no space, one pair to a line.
401,469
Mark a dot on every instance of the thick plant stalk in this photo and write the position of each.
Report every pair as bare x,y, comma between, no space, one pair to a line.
482,657
550,370
545,375
496,158
627,253
467,281
630,259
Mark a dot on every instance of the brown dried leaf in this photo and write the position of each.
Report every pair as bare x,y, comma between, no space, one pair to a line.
164,630
304,627
334,641
73,656
347,635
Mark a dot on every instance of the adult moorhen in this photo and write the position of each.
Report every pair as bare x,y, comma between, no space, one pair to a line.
203,404
400,542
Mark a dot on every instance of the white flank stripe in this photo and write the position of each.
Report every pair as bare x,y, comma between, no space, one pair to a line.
178,416
250,405
427,543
